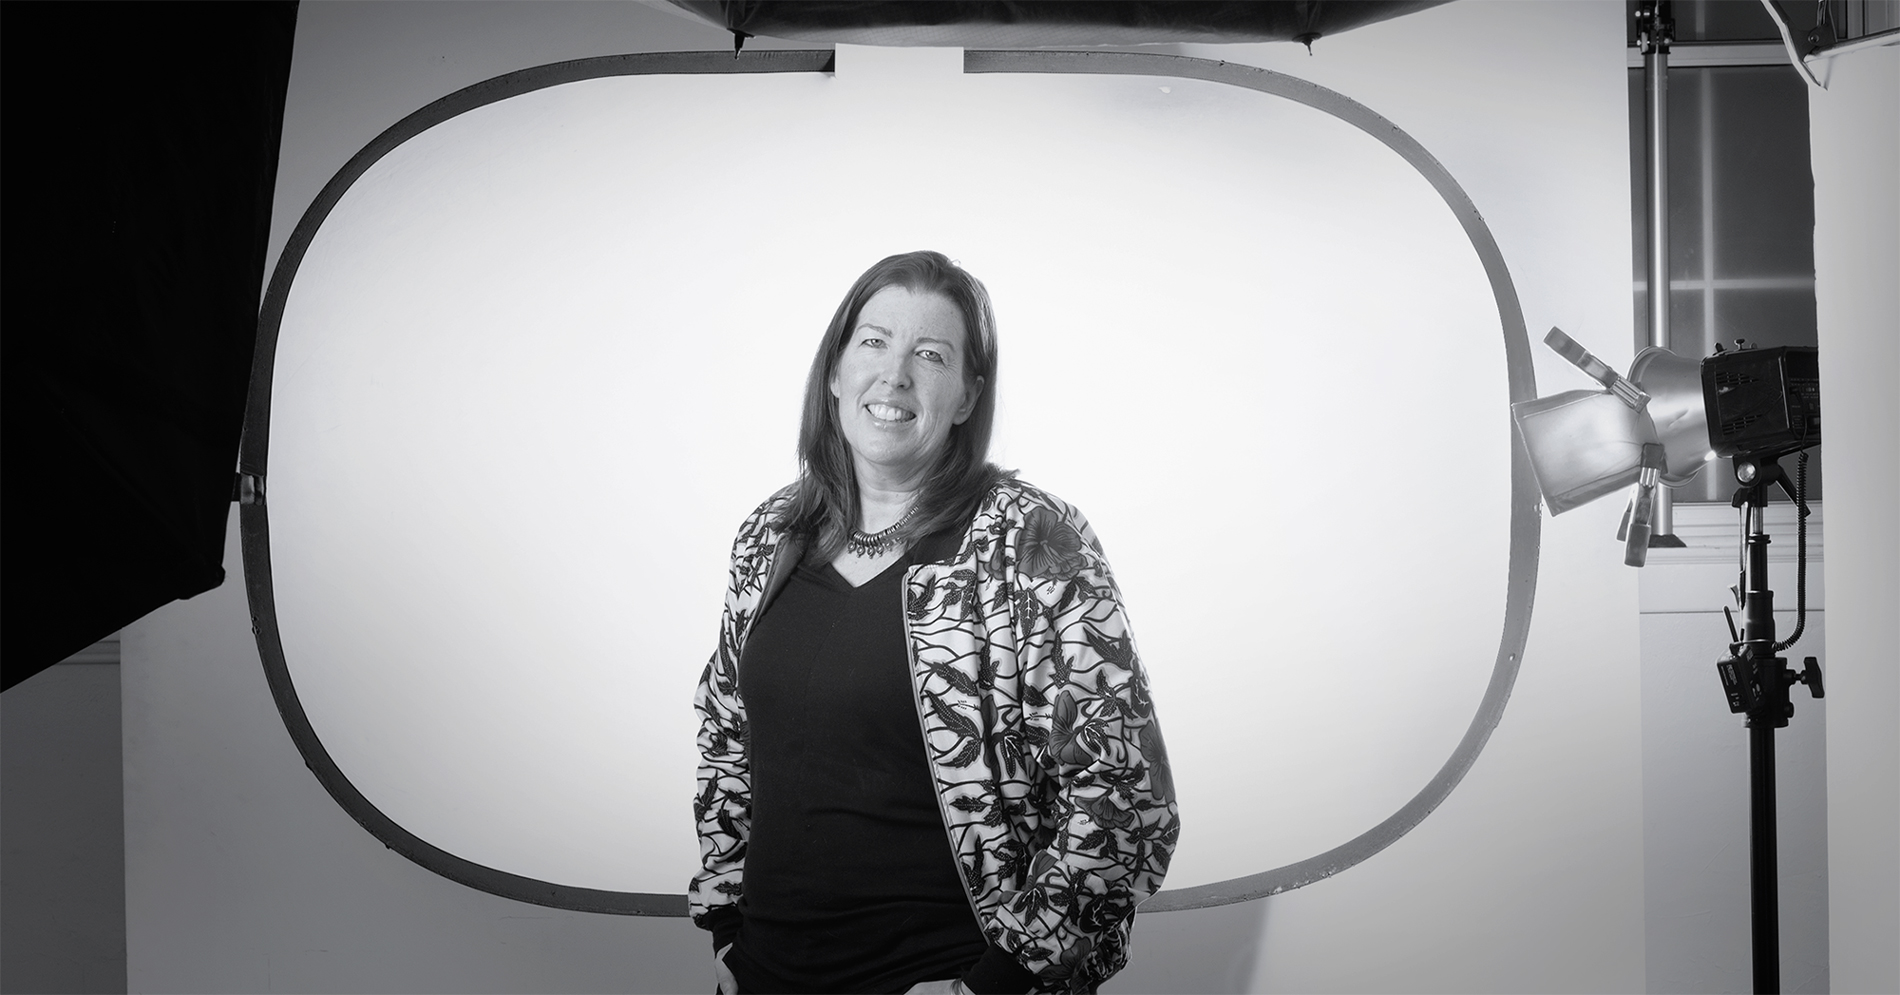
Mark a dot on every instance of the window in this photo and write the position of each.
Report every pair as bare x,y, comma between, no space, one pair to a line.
1741,198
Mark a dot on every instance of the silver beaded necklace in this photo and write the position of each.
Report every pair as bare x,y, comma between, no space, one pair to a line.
876,544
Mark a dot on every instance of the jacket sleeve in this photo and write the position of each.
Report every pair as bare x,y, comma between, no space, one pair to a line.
1105,782
722,805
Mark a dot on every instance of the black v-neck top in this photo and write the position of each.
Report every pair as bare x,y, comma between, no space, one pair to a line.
850,882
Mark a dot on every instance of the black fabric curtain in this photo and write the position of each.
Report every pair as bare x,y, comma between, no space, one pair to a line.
1030,23
140,161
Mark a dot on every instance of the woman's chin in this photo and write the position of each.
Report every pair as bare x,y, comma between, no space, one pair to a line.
893,463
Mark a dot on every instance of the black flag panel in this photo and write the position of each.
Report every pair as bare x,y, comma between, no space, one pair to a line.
141,157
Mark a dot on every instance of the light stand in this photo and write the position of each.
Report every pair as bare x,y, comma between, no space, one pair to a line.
1660,425
1757,681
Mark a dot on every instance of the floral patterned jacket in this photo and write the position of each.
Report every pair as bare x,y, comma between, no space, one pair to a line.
1053,778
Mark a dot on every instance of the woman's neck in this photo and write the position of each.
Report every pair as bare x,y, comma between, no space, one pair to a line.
880,506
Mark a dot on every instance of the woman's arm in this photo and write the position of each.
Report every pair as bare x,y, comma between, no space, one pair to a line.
1090,722
722,804
1043,738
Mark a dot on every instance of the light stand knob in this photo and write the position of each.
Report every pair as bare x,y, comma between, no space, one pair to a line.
1811,676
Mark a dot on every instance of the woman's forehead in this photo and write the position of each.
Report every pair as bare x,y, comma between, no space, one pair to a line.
898,309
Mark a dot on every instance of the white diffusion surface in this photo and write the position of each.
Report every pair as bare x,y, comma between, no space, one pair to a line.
542,358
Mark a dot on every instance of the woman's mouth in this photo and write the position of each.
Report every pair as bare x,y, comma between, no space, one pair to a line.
885,412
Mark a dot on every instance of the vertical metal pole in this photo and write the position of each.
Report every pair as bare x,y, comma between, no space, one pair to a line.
1763,873
1770,713
1656,85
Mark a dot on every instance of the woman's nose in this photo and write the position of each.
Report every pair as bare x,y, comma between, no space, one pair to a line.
897,372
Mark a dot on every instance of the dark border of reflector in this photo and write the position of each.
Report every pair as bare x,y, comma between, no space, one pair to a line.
254,518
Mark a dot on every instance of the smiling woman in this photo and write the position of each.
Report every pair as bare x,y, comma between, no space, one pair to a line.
928,752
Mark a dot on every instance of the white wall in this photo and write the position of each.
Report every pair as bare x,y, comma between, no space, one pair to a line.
62,844
1856,143
243,875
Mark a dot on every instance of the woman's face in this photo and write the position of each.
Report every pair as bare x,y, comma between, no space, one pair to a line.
900,385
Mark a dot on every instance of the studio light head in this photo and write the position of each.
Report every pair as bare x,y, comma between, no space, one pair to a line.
1663,422
1762,403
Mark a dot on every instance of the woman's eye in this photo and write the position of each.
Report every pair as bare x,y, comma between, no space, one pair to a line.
931,354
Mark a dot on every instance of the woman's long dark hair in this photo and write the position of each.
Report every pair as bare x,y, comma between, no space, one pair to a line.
825,509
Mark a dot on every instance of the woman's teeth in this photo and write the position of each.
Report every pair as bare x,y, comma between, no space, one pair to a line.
885,412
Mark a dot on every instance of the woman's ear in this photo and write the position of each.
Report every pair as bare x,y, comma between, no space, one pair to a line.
970,395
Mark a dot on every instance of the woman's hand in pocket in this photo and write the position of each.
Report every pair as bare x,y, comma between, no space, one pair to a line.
727,986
